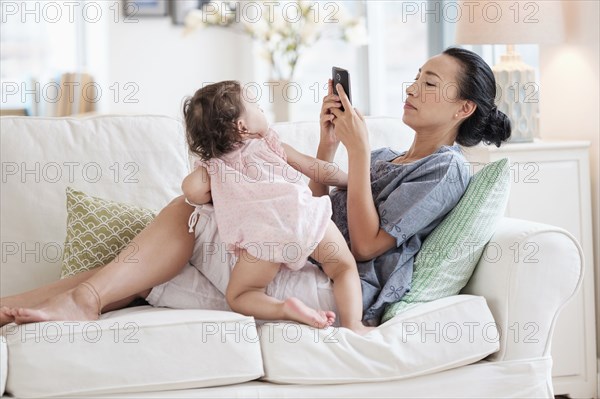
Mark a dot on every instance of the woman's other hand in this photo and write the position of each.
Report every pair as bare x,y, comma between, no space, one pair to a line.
328,143
350,125
330,102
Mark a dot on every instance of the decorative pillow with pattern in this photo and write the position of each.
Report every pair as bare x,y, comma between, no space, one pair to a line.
450,253
97,231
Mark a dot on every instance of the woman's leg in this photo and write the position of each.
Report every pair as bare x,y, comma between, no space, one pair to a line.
162,249
35,297
38,295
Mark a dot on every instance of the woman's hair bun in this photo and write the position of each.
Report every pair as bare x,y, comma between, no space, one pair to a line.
497,127
476,82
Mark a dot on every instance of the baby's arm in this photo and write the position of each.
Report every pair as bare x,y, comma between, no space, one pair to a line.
320,171
196,186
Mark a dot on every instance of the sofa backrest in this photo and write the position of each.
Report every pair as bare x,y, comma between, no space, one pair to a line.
138,159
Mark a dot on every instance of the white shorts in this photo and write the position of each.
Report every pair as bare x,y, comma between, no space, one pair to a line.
203,281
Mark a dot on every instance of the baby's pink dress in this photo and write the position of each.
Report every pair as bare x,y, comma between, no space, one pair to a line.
262,204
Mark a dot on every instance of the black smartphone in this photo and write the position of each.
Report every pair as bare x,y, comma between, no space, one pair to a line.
341,76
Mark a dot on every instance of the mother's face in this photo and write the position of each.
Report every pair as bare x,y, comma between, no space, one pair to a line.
432,100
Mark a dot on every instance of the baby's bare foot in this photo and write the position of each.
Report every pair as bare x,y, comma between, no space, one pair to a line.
5,316
296,310
76,304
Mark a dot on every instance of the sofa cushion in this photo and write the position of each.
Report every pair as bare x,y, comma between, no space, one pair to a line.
97,231
436,336
450,253
132,350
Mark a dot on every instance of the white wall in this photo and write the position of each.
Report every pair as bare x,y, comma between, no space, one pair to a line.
166,65
156,58
570,98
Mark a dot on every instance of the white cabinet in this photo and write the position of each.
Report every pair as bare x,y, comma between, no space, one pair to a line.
551,184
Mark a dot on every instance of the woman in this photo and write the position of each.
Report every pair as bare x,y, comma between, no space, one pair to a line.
393,201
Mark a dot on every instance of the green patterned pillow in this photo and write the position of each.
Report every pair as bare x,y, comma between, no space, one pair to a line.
450,253
97,230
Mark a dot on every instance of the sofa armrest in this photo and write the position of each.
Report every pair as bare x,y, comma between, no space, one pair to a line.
527,273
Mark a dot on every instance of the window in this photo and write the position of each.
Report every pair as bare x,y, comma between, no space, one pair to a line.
398,48
38,41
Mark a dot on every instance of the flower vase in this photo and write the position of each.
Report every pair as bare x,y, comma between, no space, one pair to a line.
280,102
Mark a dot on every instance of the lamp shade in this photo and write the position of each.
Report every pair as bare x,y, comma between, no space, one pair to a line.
509,22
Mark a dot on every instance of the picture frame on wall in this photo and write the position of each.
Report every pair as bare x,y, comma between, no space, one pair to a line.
180,8
146,8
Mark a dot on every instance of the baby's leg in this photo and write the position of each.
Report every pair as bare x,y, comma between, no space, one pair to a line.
339,264
246,294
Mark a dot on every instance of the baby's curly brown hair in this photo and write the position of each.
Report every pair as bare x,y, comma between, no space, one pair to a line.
211,117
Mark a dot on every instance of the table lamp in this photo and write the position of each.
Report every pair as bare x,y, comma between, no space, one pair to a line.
513,22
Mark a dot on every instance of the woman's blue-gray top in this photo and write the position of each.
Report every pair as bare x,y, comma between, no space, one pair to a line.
411,199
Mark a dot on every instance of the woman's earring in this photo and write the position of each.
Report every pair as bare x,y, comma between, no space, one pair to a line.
456,115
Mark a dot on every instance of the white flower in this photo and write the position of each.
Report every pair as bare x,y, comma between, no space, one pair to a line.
275,39
228,14
194,20
309,31
356,34
258,29
305,6
280,21
340,16
213,18
264,53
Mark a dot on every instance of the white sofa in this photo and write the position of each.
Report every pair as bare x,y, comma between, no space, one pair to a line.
492,340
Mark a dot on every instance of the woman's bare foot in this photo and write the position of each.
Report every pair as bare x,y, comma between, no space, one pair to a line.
75,304
295,309
5,316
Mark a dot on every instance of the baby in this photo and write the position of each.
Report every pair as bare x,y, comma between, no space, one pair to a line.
266,214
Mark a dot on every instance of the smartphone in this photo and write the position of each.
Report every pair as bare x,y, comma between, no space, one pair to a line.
341,76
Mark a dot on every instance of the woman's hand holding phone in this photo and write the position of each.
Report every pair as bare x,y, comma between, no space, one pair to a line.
330,101
350,125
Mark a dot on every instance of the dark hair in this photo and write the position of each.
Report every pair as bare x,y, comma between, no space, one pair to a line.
476,82
211,117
